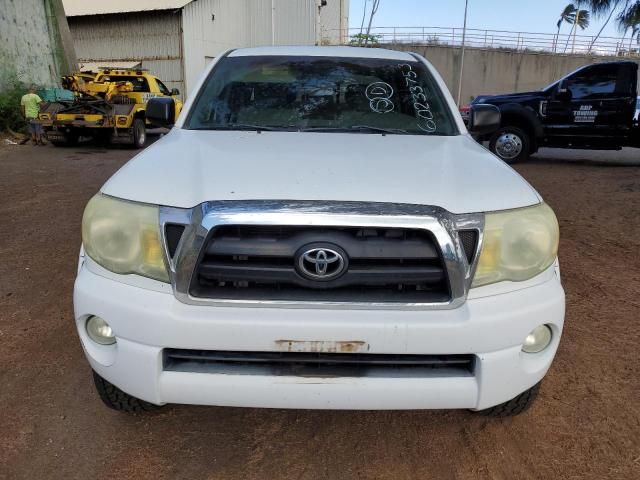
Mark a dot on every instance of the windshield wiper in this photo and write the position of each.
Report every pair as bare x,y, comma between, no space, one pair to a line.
357,128
241,126
257,128
394,131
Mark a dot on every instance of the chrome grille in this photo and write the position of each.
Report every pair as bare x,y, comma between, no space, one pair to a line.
256,262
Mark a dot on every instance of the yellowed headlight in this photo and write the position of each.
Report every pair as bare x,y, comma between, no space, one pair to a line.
517,245
124,237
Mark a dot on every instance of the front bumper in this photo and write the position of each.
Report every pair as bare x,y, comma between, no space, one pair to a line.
146,321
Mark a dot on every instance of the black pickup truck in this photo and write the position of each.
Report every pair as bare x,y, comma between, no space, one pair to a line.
591,108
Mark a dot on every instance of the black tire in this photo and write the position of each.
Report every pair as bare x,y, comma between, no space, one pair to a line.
515,406
139,133
116,399
510,144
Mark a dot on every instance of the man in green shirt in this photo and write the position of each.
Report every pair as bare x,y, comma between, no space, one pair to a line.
30,109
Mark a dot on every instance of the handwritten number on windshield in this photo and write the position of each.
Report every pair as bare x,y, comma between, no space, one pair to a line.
379,95
420,104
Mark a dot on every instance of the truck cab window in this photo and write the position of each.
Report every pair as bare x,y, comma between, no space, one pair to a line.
592,83
140,84
163,89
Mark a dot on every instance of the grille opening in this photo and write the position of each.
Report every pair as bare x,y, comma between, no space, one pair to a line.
316,364
259,263
469,240
173,234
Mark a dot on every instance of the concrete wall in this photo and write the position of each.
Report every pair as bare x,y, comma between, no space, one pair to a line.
31,47
334,20
497,71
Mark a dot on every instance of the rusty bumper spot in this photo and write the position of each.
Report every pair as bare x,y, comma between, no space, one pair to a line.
324,346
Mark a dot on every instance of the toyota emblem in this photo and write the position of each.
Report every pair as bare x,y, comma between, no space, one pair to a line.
321,263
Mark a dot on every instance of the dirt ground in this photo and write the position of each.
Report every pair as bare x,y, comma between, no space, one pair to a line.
585,424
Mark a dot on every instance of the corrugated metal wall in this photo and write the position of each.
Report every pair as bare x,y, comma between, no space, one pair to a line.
154,38
209,27
213,26
295,22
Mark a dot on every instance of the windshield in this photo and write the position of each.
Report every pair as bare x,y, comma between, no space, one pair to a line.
140,84
360,95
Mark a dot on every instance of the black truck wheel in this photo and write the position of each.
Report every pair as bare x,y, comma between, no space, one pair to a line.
510,144
139,133
514,406
116,399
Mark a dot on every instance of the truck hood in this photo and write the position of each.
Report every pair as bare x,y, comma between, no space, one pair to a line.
189,167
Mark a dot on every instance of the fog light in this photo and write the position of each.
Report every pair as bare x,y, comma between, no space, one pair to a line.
99,331
538,339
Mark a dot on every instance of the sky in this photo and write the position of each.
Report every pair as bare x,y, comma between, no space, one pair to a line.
517,16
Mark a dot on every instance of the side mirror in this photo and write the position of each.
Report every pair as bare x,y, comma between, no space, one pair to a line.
483,119
161,111
563,93
174,92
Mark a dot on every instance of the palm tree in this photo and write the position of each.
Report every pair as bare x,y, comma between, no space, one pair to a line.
374,9
597,8
568,15
629,18
582,21
364,15
603,7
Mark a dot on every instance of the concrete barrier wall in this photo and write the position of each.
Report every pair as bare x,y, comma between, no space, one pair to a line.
35,43
498,71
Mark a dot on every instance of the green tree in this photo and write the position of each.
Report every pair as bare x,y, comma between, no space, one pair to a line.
581,20
629,19
10,109
568,15
626,10
375,4
360,38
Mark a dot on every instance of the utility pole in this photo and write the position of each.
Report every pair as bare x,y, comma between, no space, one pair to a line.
464,34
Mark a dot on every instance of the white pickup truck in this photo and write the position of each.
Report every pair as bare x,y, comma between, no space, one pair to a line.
319,231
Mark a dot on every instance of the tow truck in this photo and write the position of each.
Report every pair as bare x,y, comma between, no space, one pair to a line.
109,105
590,108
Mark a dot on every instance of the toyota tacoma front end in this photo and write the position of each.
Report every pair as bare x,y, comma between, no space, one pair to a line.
319,231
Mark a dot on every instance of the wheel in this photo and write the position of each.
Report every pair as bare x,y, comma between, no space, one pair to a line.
116,399
510,144
514,406
139,133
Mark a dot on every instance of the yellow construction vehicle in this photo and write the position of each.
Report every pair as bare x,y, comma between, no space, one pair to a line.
108,104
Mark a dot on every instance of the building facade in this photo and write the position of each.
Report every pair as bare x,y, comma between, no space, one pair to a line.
177,39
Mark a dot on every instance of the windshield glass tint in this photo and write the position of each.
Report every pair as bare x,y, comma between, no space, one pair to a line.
362,95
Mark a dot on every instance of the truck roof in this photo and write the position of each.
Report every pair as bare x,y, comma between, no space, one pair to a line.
614,62
345,52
